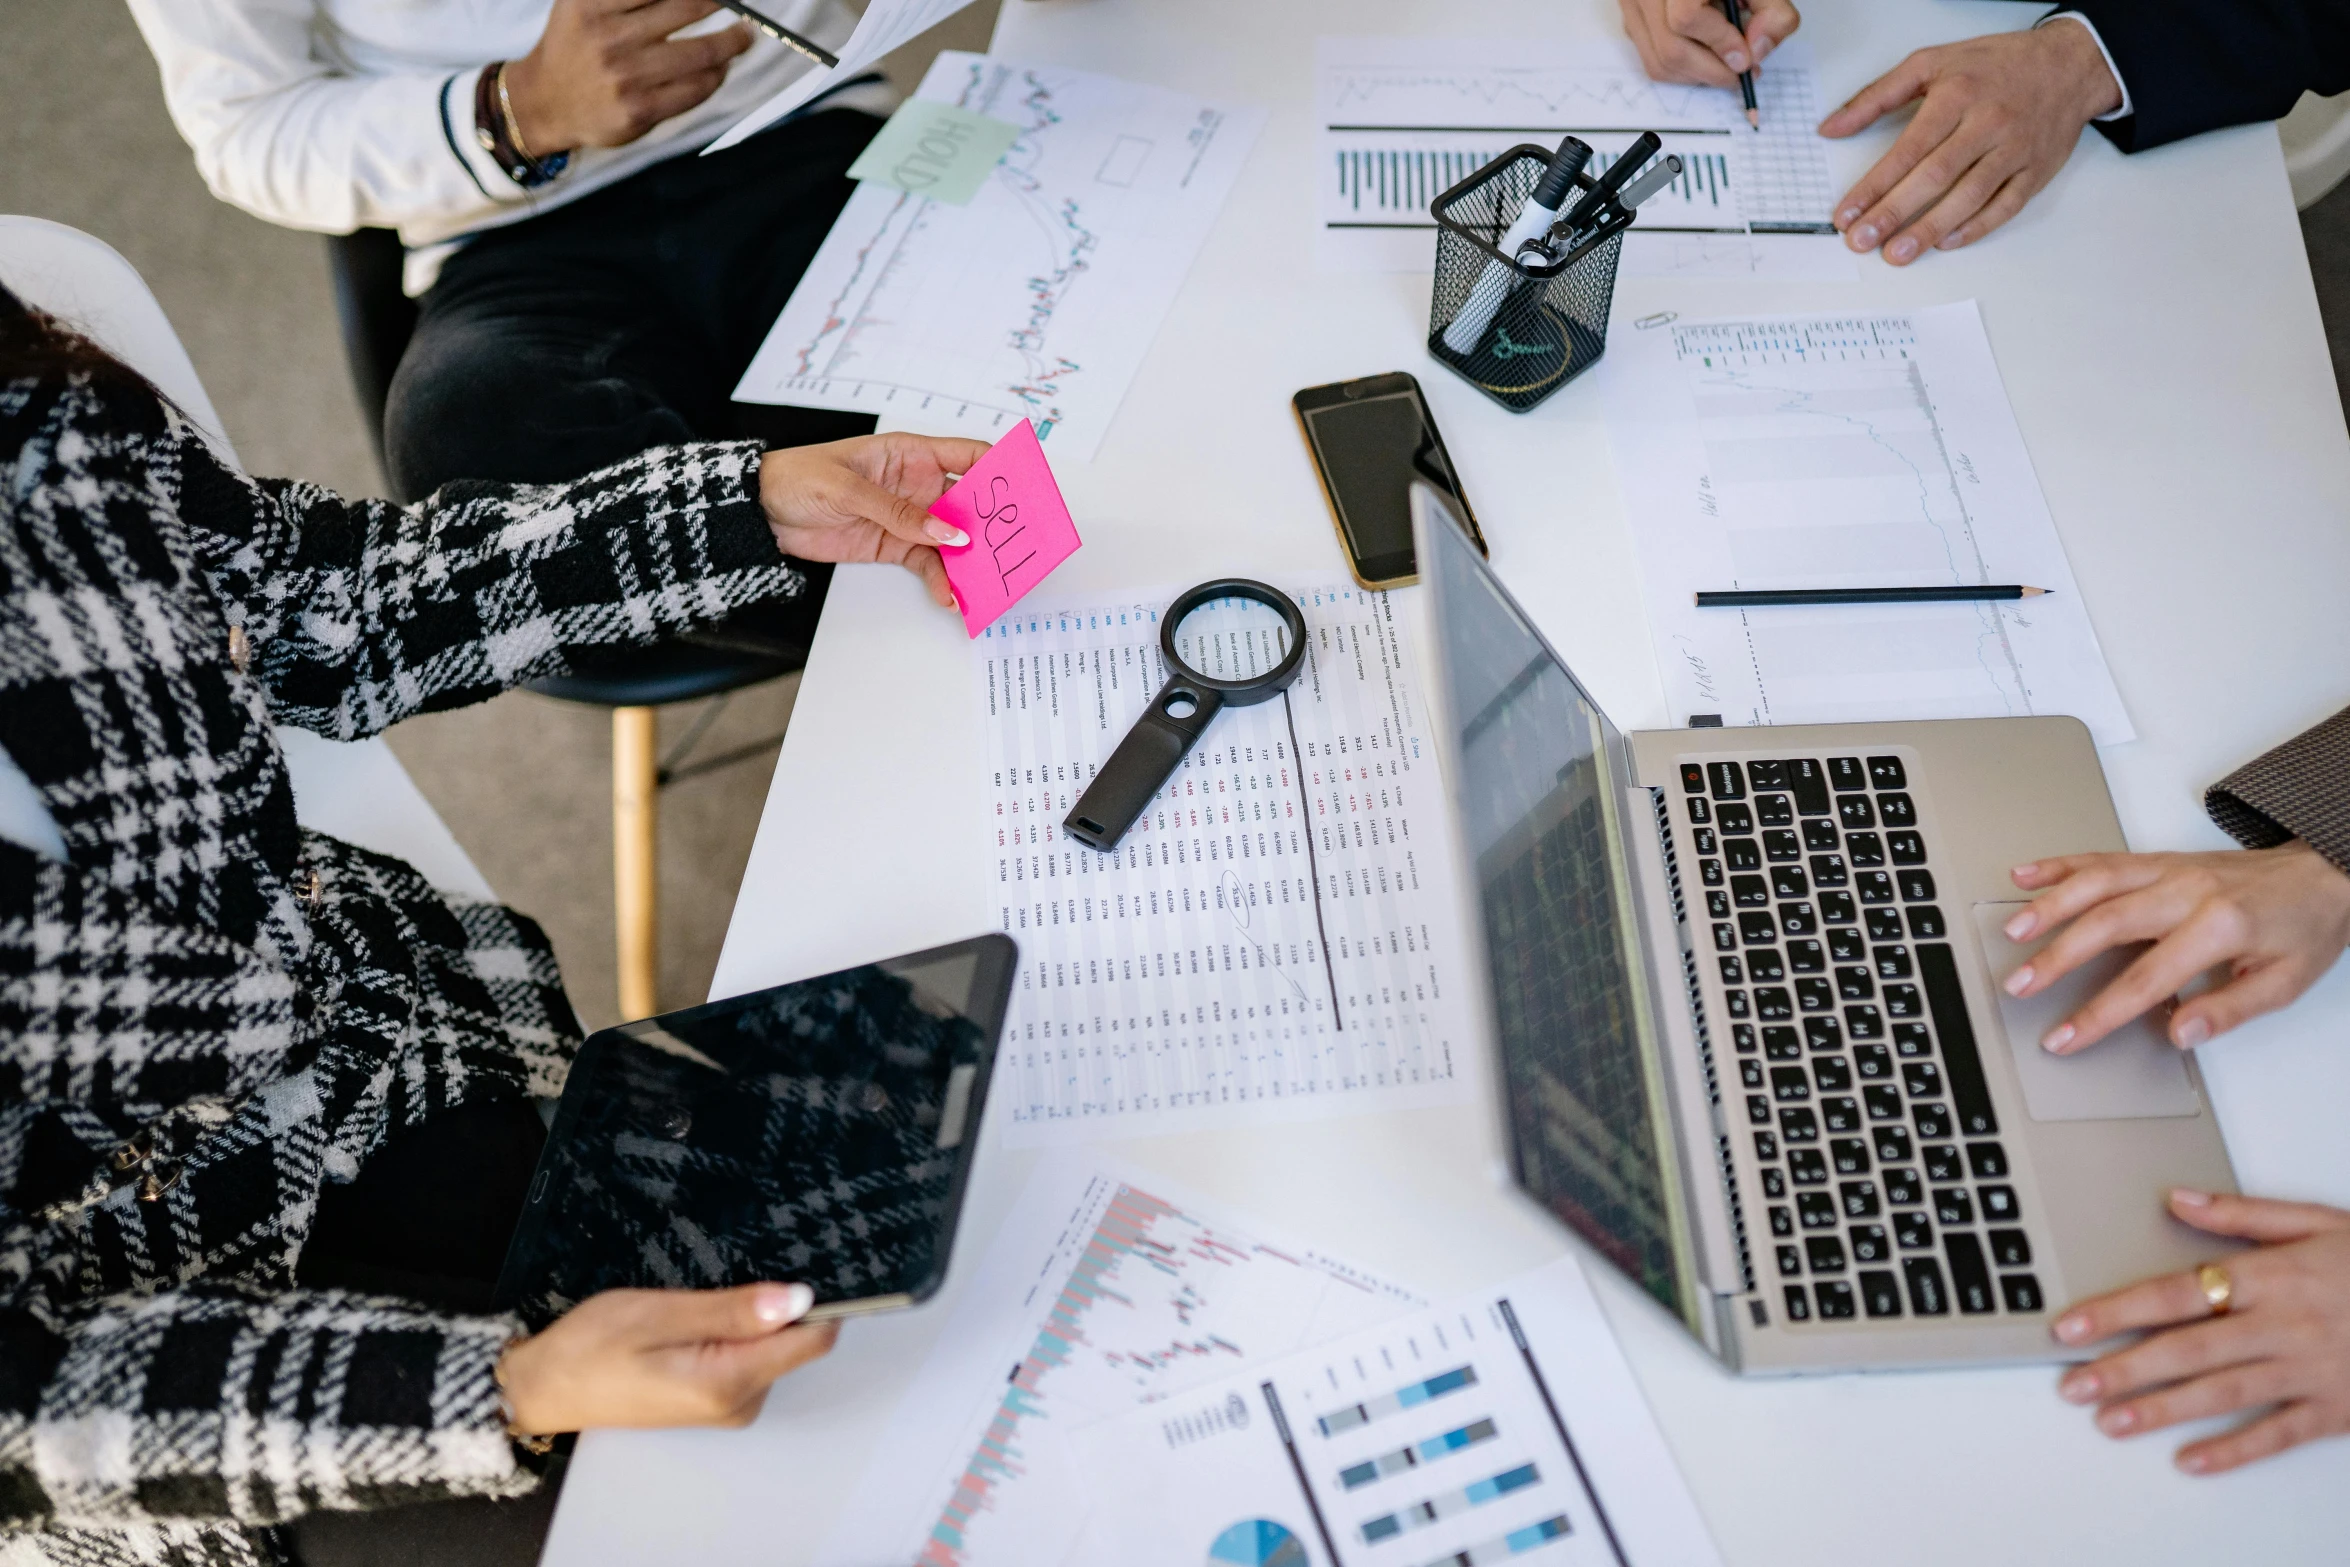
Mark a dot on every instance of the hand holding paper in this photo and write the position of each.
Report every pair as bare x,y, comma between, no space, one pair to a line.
1019,527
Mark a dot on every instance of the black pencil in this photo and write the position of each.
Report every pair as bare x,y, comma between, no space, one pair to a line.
1966,594
784,35
1745,78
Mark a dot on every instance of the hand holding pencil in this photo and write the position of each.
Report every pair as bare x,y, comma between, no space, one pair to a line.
1691,40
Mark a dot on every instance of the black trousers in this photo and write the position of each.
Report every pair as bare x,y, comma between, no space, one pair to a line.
623,320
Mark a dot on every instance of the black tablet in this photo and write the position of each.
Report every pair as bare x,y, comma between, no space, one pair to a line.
818,1133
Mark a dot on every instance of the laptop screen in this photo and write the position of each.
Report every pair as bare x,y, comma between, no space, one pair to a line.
1543,811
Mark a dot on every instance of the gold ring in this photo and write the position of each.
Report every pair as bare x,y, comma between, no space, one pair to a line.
2219,1291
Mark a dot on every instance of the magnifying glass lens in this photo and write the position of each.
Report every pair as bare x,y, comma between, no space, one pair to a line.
1232,639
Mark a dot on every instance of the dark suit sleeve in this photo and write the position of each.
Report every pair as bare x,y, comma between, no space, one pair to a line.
2299,790
2197,65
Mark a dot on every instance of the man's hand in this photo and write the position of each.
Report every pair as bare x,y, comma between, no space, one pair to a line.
2000,115
864,500
648,1358
2278,918
2282,1351
606,71
1691,41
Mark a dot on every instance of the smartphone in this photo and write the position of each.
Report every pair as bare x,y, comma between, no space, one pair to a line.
1370,439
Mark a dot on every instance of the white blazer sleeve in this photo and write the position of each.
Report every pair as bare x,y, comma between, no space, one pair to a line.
283,133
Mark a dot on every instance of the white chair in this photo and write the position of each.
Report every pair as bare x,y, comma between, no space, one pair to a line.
359,793
2316,136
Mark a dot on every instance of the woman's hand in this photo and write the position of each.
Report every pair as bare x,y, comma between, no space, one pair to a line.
863,500
2285,1341
1999,117
2277,917
647,1358
606,71
1691,41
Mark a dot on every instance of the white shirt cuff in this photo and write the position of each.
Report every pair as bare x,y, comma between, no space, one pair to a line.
457,105
2126,110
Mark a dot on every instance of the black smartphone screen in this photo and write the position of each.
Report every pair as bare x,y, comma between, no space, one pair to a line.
1371,448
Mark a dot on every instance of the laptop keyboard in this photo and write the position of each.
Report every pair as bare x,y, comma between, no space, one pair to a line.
1885,1186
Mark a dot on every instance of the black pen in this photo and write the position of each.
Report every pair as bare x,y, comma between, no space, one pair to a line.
1745,78
783,35
1965,594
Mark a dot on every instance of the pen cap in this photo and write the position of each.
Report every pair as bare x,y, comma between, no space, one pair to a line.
1559,178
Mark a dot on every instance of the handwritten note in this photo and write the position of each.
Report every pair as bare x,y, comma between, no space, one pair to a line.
933,149
1020,528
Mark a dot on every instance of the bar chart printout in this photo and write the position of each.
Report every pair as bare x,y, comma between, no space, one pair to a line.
1402,120
1105,1290
1503,1427
1275,935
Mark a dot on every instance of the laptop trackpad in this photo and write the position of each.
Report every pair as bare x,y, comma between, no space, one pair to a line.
2133,1072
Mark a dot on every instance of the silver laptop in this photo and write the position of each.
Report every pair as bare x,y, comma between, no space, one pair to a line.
1749,1038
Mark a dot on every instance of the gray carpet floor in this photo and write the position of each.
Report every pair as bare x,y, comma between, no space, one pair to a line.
524,782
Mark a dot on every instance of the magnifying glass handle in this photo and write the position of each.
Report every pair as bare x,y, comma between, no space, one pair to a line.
1142,764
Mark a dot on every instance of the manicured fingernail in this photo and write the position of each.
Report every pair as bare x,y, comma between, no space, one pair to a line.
2016,982
2191,1033
2058,1037
1735,60
2019,927
2074,1328
1901,249
1762,51
2025,872
1950,241
2189,1197
2116,1421
948,534
2080,1387
777,1305
1865,237
2194,1463
1848,217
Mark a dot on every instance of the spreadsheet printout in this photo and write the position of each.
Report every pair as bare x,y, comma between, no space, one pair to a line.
1035,300
1275,936
1849,451
1402,120
1106,1289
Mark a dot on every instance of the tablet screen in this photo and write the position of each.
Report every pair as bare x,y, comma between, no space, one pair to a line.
817,1133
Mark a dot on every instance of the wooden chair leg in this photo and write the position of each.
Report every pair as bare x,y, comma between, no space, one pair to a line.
635,873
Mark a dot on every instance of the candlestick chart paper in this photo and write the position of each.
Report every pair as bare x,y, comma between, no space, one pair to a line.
1036,299
1106,1290
1277,934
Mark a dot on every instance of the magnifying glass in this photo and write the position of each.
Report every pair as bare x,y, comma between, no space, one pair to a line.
1229,643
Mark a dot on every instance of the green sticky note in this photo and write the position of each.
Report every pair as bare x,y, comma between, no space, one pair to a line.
936,150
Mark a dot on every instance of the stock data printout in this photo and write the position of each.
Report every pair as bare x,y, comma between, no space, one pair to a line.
1402,120
1275,936
1870,450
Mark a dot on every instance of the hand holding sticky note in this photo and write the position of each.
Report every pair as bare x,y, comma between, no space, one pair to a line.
1020,529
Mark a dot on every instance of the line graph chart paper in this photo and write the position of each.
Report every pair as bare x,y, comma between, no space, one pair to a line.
1846,451
1403,119
1105,1291
1037,299
1273,938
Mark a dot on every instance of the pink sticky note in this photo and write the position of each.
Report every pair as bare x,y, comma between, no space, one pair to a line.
1020,529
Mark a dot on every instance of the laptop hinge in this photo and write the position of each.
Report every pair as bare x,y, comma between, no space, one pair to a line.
1704,1150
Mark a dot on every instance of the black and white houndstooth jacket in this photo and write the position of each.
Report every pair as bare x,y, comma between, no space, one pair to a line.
207,1011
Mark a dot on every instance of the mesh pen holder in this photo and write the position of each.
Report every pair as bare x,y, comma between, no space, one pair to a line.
1549,323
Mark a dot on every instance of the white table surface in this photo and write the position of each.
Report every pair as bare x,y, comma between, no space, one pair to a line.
2154,320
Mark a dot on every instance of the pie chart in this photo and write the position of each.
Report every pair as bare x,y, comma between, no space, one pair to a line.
1256,1542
